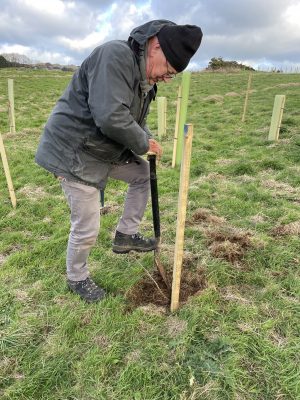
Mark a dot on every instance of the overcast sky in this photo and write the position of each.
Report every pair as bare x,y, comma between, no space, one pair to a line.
260,33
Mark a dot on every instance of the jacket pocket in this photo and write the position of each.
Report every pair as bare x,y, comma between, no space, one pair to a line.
103,148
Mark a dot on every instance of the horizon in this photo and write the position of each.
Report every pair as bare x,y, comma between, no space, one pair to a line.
263,35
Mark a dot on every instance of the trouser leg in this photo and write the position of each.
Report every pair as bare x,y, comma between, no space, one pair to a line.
84,203
137,175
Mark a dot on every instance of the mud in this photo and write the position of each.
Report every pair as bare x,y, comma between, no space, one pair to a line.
152,289
229,243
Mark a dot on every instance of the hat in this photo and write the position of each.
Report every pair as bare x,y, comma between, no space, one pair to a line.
179,43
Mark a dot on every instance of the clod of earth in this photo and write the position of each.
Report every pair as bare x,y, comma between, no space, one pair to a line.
228,243
204,215
292,228
152,289
215,98
227,250
223,240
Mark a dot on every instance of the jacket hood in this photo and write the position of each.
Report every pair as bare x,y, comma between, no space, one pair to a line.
144,32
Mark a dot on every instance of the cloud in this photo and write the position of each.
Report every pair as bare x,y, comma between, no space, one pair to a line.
62,30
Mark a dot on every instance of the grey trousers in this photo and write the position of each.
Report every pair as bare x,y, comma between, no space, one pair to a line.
84,203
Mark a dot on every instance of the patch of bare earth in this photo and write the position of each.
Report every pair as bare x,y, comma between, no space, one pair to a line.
24,133
214,98
288,84
61,300
245,178
293,228
280,188
153,290
175,326
214,176
277,339
224,161
133,356
232,94
232,293
21,295
258,219
152,309
102,341
35,193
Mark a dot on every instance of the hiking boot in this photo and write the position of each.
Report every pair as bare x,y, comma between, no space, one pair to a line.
124,243
87,290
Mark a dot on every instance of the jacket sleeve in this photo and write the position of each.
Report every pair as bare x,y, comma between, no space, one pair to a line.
148,132
110,75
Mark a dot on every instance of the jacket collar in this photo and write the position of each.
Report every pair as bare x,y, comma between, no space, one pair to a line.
140,52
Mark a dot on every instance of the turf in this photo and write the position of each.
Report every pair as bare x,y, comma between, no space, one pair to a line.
235,338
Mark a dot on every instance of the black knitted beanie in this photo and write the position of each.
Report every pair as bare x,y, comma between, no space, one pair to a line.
179,43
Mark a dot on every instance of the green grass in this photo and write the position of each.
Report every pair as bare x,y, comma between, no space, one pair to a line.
237,339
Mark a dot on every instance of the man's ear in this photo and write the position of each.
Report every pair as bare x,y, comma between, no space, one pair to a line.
153,45
156,42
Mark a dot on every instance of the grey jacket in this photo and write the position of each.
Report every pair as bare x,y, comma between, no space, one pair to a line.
100,120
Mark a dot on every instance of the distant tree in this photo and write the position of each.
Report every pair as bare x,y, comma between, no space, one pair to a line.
17,58
217,63
4,63
10,61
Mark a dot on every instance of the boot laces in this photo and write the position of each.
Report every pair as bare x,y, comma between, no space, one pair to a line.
138,236
89,285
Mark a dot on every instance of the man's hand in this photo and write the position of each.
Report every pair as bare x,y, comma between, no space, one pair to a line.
155,147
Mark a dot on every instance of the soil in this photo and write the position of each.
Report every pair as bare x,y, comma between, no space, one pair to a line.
292,228
223,240
229,243
203,215
153,290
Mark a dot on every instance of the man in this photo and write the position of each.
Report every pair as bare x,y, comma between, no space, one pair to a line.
98,130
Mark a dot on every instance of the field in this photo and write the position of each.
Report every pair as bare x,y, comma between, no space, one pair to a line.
238,336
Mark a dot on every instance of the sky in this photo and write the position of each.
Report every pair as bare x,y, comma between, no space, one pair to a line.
264,34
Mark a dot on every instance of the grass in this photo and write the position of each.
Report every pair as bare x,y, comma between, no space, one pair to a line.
239,337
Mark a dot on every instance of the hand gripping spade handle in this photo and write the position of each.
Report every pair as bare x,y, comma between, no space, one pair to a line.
155,214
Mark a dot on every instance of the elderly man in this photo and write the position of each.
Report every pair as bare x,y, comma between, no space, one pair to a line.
97,130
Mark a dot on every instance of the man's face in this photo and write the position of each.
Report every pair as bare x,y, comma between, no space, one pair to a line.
157,67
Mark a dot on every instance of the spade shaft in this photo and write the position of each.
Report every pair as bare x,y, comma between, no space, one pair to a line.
156,216
154,196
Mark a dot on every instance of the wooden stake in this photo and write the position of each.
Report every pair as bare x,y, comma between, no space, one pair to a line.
7,174
247,96
11,106
176,125
182,204
186,79
276,117
162,116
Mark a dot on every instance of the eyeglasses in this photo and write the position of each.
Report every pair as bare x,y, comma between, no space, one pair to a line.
169,75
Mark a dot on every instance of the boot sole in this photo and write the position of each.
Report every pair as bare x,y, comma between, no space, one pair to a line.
121,250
